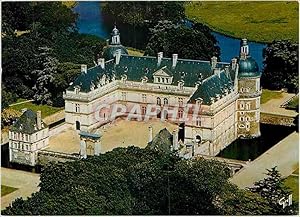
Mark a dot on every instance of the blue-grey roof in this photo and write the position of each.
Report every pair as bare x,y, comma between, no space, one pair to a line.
110,51
248,67
27,123
213,86
190,71
89,135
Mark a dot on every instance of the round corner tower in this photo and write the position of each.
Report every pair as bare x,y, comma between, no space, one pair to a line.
248,104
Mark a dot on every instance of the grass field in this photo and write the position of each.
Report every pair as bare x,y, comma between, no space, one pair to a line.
7,190
294,103
69,4
256,21
293,183
268,95
45,109
135,52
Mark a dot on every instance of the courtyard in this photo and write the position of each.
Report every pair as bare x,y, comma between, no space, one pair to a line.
120,133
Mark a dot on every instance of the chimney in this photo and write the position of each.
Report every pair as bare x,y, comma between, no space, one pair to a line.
175,140
118,56
217,71
214,62
233,63
174,60
159,58
150,134
39,119
83,68
101,62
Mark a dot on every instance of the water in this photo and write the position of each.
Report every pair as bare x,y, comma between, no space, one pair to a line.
91,21
245,149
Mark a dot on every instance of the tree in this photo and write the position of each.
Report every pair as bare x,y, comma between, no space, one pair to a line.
281,66
144,13
272,189
47,68
188,43
9,115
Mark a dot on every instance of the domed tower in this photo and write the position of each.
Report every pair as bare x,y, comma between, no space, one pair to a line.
248,104
109,51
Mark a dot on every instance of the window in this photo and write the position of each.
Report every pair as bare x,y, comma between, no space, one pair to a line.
124,96
77,108
165,101
163,80
180,101
241,118
198,122
143,110
158,79
180,114
27,147
167,80
158,101
144,98
248,105
242,105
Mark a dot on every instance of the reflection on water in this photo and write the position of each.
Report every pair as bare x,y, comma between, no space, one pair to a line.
245,149
91,21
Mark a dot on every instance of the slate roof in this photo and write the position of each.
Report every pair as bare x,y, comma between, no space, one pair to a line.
110,50
137,67
213,86
27,123
248,68
162,141
190,71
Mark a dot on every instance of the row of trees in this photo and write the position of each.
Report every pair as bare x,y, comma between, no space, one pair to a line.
41,62
281,66
134,181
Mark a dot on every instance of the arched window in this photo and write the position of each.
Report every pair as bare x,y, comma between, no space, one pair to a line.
198,139
158,101
165,101
180,113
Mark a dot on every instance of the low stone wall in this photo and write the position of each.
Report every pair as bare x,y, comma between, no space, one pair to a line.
267,118
45,157
55,117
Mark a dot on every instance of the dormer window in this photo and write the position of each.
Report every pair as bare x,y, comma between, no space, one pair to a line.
76,89
180,84
163,76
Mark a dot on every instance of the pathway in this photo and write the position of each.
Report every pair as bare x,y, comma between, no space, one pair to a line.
284,155
18,103
26,182
273,106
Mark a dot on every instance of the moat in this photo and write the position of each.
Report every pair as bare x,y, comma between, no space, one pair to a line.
245,149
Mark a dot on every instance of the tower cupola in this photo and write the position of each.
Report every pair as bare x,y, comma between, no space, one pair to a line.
244,49
115,38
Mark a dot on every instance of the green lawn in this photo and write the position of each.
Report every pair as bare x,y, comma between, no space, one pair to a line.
293,104
268,95
135,52
7,190
293,183
69,4
45,109
256,21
